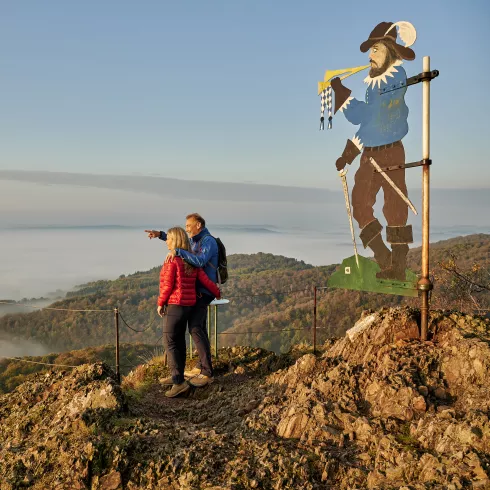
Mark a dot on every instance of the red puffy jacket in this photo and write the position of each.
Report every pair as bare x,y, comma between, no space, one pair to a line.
178,288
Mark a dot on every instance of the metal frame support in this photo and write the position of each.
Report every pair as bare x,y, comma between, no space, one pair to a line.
216,331
314,320
407,165
425,285
116,324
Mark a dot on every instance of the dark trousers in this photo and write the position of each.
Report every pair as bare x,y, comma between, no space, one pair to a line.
368,183
174,325
197,328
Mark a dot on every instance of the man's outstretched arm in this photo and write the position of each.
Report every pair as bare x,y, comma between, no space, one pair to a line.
208,249
156,234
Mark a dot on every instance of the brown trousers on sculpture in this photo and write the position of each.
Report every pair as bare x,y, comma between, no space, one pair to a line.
368,183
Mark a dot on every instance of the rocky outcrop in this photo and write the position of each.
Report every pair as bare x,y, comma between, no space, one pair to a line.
377,409
47,427
411,412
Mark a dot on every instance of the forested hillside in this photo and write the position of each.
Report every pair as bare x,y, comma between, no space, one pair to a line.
268,294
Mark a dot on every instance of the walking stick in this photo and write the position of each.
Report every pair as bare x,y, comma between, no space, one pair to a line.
342,175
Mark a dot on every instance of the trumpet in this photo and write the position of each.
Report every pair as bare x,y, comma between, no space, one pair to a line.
343,73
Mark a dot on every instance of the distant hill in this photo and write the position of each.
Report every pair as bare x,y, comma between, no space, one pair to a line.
268,294
469,249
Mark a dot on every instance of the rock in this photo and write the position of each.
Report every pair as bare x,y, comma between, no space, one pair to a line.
112,481
440,393
292,426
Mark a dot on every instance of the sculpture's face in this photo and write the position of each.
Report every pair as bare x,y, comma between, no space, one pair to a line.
380,59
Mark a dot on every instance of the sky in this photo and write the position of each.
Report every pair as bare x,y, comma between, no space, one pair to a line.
226,90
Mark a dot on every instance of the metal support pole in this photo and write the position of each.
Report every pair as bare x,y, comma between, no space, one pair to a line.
116,321
216,331
424,285
314,322
164,330
209,322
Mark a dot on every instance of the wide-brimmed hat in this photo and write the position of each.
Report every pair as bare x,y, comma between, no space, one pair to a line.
386,31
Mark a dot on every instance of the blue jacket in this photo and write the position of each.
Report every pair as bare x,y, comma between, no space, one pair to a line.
382,117
204,254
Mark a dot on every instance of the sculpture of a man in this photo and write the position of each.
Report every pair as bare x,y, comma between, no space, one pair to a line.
382,120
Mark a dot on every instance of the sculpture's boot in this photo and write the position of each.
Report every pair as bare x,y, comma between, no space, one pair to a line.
399,237
371,237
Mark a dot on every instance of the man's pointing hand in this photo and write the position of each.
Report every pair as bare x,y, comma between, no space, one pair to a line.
153,234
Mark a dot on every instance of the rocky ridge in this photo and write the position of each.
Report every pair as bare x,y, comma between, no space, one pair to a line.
375,409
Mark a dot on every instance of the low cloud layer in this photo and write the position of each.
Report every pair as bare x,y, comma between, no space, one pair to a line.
200,190
21,348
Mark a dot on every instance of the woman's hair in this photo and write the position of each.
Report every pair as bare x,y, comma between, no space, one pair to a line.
181,241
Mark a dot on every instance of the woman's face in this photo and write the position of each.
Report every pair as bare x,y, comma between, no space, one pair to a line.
170,242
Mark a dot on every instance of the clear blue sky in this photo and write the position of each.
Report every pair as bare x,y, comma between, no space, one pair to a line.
226,90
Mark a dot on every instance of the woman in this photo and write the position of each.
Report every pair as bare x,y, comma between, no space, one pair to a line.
178,291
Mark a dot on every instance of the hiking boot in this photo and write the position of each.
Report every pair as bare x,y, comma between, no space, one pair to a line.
193,372
177,390
166,381
201,380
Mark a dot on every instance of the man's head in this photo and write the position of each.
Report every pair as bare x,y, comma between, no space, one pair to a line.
383,48
381,56
194,224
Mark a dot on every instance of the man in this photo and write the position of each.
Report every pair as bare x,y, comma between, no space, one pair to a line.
205,255
382,120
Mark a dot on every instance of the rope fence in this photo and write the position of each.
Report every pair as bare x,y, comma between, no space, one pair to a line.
13,303
313,290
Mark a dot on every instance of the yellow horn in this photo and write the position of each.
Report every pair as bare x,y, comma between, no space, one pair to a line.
343,73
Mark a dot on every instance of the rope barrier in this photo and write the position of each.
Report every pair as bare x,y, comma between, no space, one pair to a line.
268,331
61,365
37,362
269,294
46,307
308,289
265,331
131,328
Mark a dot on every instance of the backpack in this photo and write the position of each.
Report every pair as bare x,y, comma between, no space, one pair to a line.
222,270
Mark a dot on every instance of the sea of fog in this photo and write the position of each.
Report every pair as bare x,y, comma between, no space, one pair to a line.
46,261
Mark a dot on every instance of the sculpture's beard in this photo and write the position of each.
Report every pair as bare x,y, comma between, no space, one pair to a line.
376,71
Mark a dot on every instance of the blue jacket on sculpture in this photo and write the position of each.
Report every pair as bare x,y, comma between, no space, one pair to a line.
383,116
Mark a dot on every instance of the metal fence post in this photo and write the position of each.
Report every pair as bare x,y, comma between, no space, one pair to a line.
314,321
116,321
216,331
209,322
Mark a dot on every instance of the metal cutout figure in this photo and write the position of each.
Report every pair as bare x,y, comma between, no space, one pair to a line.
382,120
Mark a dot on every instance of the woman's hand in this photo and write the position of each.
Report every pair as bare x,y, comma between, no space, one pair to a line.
160,311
